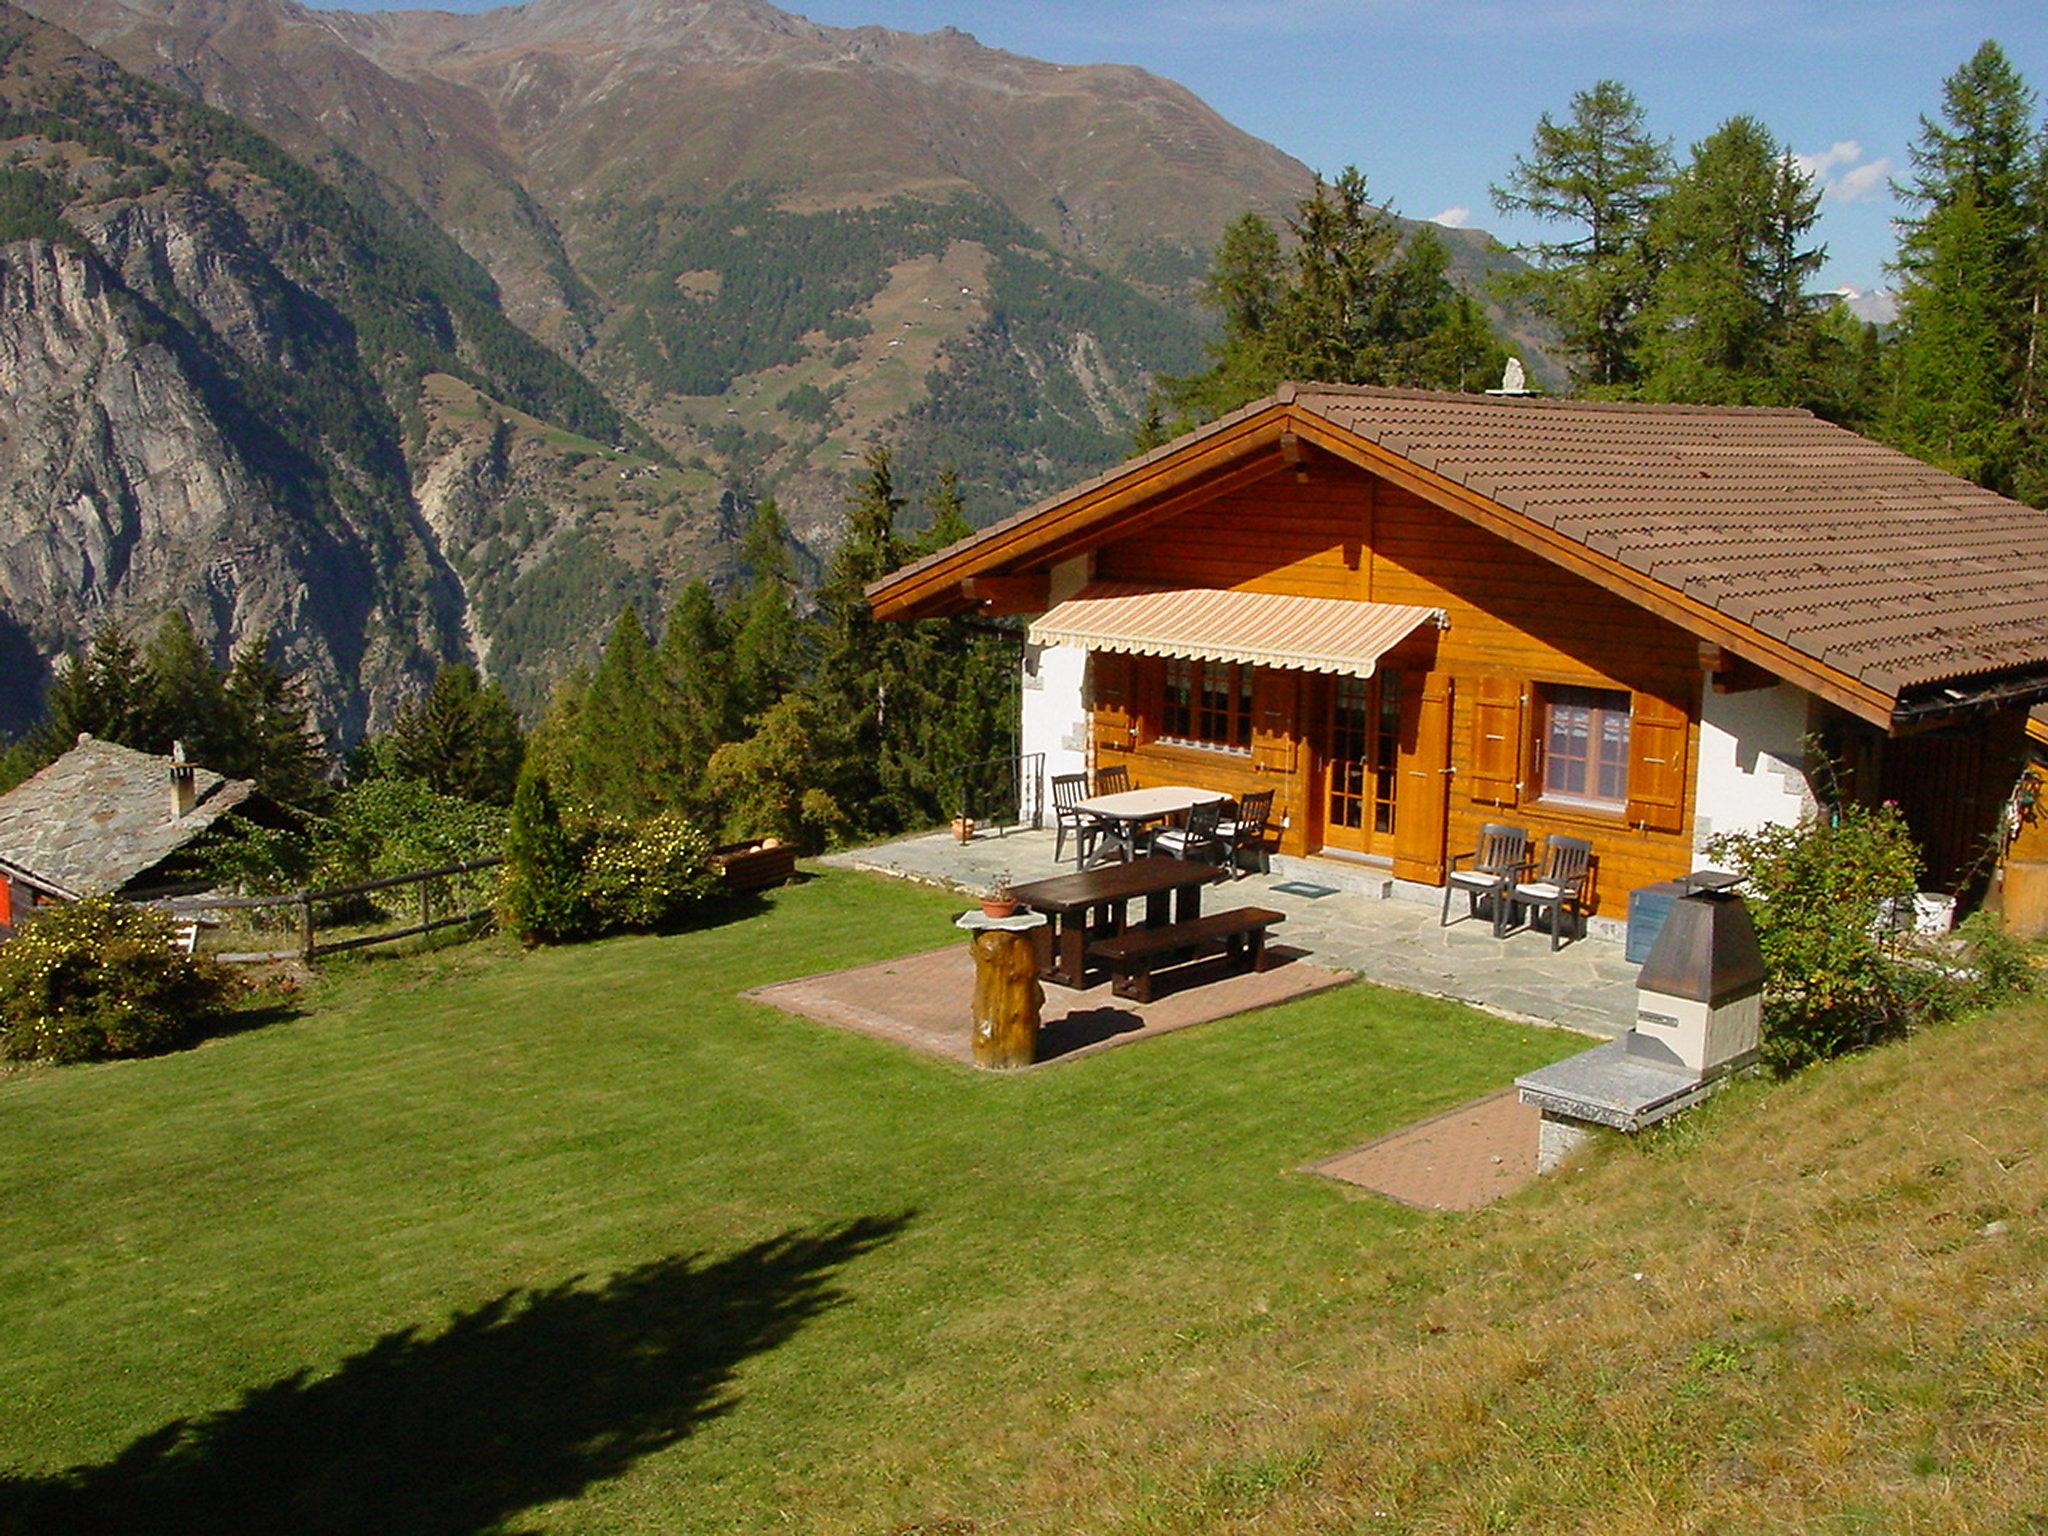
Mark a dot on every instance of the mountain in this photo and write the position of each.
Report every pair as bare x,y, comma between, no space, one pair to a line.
484,324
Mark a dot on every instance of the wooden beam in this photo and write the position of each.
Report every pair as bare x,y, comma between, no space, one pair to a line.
1851,694
1030,593
1060,528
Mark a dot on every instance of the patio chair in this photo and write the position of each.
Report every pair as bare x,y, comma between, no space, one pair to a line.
1559,885
1197,837
1068,791
1113,780
1245,829
1501,859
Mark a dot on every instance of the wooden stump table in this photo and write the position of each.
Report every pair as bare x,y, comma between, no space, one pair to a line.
1007,996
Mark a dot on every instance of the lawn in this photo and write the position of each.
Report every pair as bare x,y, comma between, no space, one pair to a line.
583,1241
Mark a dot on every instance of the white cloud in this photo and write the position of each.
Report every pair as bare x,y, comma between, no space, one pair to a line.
1841,152
1841,172
1866,180
1452,218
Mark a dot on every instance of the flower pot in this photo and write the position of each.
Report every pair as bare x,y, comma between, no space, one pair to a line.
991,908
963,828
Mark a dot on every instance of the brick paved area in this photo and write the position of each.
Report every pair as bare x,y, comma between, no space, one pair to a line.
923,1001
1455,1161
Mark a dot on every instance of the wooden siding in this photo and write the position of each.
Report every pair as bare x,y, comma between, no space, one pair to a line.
1517,622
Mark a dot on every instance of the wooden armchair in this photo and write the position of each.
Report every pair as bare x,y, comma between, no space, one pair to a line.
1113,780
1245,829
1501,859
1198,837
1560,885
1068,791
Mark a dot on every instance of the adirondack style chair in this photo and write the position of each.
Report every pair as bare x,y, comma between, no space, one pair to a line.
1245,831
1068,791
1560,885
1490,871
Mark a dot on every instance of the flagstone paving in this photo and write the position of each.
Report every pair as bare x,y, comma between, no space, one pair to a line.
1386,931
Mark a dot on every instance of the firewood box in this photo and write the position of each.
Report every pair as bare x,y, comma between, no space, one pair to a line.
754,866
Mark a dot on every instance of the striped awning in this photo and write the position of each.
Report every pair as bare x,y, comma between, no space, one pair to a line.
1267,629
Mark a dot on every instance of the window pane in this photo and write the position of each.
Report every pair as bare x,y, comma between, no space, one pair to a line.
1585,744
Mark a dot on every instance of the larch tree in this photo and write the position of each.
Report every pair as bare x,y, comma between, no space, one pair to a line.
1600,173
461,738
767,636
1971,277
1729,319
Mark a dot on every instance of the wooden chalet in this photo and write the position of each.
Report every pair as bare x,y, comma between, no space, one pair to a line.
1412,613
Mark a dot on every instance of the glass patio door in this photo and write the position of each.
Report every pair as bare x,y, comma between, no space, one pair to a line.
1360,757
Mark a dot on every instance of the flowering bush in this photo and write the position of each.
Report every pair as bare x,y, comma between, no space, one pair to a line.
99,979
647,876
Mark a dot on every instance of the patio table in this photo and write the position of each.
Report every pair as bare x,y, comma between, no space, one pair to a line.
1094,903
1124,812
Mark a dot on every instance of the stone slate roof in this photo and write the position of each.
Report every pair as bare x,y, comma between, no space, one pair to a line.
100,816
1859,557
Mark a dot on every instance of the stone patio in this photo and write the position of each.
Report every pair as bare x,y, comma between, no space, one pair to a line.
1456,1161
1384,929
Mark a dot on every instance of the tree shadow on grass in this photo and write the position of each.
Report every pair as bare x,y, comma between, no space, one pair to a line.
531,1397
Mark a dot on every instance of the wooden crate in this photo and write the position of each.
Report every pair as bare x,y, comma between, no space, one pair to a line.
752,867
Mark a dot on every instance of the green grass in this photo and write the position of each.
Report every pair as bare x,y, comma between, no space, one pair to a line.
708,1267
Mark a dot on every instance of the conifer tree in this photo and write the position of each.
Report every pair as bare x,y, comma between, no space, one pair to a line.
104,691
188,701
767,642
540,901
1971,267
1729,320
697,666
461,738
272,736
1602,173
629,757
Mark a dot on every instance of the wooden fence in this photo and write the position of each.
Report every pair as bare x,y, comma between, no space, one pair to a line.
309,947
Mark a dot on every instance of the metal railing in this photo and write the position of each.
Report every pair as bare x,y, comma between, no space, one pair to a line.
1001,793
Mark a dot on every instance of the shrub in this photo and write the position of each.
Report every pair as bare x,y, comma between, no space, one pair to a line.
646,877
99,979
1823,894
540,899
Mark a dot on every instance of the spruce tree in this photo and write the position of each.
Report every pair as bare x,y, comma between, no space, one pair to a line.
187,697
1602,173
629,761
540,901
767,640
697,668
272,736
104,692
461,738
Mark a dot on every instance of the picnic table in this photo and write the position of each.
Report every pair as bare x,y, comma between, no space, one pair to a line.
1095,902
1125,812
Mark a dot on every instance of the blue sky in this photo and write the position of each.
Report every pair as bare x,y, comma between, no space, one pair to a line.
1434,100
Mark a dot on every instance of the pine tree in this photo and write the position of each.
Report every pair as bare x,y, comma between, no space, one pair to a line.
1971,268
1602,172
1729,319
272,738
188,700
767,642
697,666
104,692
540,901
629,758
461,738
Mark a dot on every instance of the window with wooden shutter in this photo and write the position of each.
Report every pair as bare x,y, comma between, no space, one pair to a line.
1659,739
1495,768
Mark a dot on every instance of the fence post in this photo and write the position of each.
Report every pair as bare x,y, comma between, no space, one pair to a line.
305,923
426,938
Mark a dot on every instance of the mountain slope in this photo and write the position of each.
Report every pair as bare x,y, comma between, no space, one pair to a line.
212,364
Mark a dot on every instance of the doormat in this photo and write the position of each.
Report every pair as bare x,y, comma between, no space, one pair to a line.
1303,888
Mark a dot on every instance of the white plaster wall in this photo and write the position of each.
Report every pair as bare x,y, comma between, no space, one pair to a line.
1054,692
1752,757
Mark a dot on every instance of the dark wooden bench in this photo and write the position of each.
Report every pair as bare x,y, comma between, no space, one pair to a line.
1136,953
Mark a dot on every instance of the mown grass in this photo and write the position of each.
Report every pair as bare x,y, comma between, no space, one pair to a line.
584,1241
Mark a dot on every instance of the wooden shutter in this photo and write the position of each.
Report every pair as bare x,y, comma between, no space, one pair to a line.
1658,746
1424,793
1495,768
1114,710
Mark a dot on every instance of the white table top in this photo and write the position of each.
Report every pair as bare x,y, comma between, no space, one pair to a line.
1136,804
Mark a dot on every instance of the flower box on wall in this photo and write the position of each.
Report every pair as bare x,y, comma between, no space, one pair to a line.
754,866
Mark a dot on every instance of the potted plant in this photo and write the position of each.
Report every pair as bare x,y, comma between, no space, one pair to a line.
963,828
999,900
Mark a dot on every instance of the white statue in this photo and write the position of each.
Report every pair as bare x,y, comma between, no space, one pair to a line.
1514,380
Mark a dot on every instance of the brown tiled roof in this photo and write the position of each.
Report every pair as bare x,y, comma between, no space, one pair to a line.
101,815
1855,555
